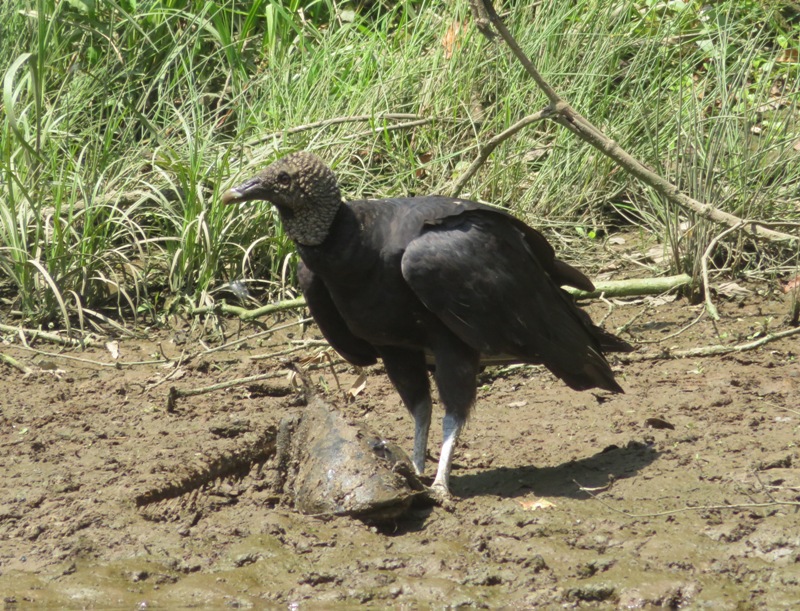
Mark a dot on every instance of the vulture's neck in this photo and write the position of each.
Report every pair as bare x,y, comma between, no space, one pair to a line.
310,224
344,251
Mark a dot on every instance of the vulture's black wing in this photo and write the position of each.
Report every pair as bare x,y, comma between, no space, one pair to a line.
353,349
479,272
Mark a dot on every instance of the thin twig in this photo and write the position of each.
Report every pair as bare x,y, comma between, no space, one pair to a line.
710,307
710,350
786,409
176,393
297,348
602,322
390,128
671,512
487,149
327,357
34,334
763,487
169,376
242,340
115,364
334,121
676,333
625,326
245,314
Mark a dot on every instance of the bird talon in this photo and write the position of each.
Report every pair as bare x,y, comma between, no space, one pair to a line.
440,496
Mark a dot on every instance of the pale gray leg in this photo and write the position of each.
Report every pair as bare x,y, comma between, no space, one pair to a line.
451,428
456,372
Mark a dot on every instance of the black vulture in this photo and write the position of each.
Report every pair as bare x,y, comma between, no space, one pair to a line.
438,280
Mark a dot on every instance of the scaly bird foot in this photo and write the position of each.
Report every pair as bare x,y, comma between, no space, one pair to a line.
440,495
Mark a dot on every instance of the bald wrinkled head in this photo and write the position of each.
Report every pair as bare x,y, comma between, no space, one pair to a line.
302,188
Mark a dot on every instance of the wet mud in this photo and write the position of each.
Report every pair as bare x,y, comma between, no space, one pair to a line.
683,492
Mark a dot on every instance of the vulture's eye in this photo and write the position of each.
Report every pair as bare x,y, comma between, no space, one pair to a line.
284,179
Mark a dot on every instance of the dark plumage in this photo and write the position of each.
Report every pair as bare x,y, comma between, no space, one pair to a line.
431,279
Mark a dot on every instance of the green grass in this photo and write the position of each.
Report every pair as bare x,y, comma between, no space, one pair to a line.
124,121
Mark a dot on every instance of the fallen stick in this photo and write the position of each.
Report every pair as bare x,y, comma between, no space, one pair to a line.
716,350
10,360
632,288
176,393
701,351
250,338
114,364
245,314
50,337
670,512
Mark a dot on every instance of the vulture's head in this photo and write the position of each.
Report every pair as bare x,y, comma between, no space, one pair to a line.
302,188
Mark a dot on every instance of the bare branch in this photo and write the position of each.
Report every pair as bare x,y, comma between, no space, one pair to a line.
482,20
566,116
176,393
633,287
245,314
717,350
488,148
335,121
50,337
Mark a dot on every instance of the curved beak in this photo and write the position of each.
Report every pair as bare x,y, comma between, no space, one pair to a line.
250,190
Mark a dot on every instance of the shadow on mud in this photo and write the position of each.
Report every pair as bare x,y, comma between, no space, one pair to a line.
594,471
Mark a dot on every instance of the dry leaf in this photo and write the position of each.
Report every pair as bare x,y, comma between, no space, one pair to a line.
791,285
423,158
359,385
113,348
314,359
657,254
616,240
451,39
534,504
731,289
787,56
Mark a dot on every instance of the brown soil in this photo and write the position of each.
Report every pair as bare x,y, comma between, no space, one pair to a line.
696,515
